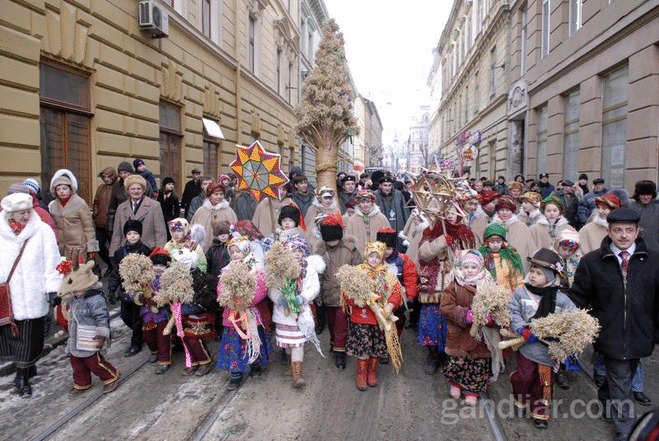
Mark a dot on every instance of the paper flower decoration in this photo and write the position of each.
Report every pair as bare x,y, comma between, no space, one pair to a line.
258,171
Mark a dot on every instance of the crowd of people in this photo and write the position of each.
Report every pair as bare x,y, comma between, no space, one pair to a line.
550,248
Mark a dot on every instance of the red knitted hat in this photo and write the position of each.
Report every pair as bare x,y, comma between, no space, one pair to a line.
486,196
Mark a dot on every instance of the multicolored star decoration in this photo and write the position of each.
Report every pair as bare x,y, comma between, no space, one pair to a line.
258,171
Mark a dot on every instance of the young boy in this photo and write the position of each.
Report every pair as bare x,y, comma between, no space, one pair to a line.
501,260
367,220
130,312
89,328
540,296
336,250
217,256
140,168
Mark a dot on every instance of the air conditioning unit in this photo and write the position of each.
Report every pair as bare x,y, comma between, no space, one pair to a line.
153,19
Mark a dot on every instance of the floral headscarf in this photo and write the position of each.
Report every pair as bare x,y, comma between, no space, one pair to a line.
298,242
179,224
470,256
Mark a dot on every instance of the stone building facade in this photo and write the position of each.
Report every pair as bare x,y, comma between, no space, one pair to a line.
368,142
82,87
417,141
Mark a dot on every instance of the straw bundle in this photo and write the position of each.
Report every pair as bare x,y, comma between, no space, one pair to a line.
238,285
280,266
490,301
136,271
176,287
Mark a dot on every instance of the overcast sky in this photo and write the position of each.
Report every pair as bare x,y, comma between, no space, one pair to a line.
389,50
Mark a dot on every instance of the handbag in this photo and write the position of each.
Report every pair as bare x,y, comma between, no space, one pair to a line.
6,311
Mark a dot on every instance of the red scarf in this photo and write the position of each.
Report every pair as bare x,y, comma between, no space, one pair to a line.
16,227
64,201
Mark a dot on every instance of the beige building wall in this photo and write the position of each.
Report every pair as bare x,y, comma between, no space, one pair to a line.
204,73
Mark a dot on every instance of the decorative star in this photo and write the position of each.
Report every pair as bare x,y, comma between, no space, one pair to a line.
258,171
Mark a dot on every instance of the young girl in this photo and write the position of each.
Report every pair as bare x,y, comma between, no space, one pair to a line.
533,380
469,365
366,340
553,222
182,243
169,204
517,232
294,324
530,213
233,354
502,261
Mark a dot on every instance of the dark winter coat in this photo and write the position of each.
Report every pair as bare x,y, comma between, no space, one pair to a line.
649,222
545,189
345,253
303,200
393,207
217,257
114,282
587,205
192,189
627,312
153,187
456,301
244,205
570,207
170,206
117,197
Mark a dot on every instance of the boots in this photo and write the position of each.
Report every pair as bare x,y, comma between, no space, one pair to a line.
372,377
340,360
298,381
432,361
22,384
362,368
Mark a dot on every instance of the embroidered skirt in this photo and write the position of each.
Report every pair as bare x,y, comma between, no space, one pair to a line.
366,341
432,326
470,374
233,351
289,336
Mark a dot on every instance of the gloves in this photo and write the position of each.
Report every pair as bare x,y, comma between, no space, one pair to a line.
469,317
529,336
54,299
100,340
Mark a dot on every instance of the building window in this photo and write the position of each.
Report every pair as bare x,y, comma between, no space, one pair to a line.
571,104
575,15
211,145
546,11
278,71
251,44
522,38
466,104
493,70
543,119
476,93
65,125
206,18
479,12
614,127
171,136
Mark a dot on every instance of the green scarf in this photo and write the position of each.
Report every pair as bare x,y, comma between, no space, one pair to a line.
507,254
289,290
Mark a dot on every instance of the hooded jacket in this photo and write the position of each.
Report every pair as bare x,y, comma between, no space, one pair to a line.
102,199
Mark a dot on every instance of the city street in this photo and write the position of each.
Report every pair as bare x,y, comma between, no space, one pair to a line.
408,406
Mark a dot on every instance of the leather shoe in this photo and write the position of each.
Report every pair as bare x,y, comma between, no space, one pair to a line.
132,350
111,386
561,380
340,360
642,399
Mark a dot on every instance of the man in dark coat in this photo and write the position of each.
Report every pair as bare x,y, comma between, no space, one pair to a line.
647,207
620,283
392,204
570,202
544,187
587,204
192,189
348,191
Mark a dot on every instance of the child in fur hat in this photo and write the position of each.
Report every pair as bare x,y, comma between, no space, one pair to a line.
469,361
294,323
336,250
501,260
155,319
540,296
366,340
89,329
290,221
323,204
233,354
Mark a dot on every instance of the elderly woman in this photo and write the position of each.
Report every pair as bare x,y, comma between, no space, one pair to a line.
28,262
77,235
214,211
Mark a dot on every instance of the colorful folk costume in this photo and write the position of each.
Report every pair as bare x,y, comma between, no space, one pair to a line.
292,296
154,318
438,245
366,340
517,233
405,271
469,359
336,250
244,340
505,264
533,379
89,328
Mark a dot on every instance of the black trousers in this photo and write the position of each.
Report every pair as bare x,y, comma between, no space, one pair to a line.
103,237
130,314
616,394
25,349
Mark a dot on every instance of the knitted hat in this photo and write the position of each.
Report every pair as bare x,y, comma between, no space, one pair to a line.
645,187
125,166
63,177
160,256
471,256
18,187
221,228
495,229
133,225
506,201
374,247
551,199
214,187
79,280
137,163
609,201
16,202
624,214
289,212
364,194
331,227
487,196
546,258
135,179
532,197
167,180
388,237
516,185
297,242
32,184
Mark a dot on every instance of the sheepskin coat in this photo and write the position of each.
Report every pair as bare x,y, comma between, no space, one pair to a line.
262,219
344,253
154,230
364,227
592,234
544,234
477,223
77,234
36,272
207,215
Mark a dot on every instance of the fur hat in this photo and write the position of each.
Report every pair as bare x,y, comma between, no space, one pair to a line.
289,212
160,256
388,237
583,176
331,227
551,199
506,201
487,196
109,172
645,187
135,179
133,225
168,180
63,177
16,202
495,229
214,187
609,201
546,258
33,185
79,280
125,166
